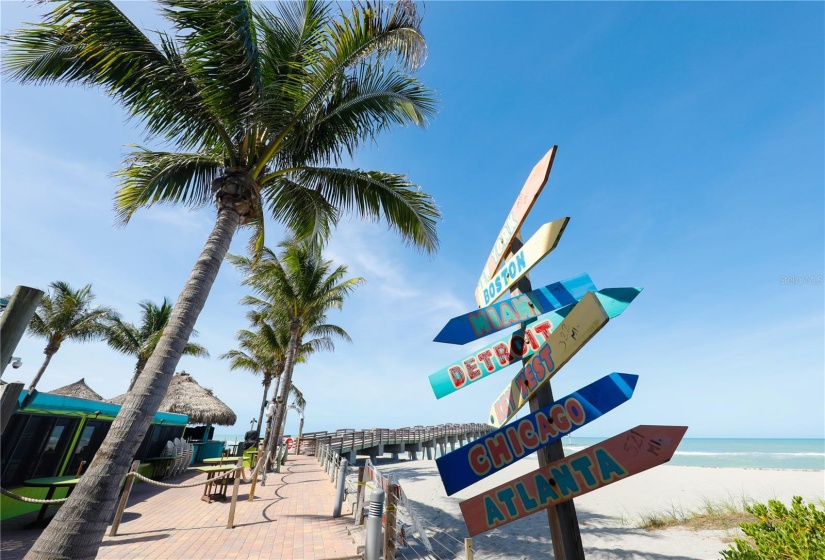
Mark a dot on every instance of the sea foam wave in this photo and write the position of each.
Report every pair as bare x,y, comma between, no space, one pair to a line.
749,453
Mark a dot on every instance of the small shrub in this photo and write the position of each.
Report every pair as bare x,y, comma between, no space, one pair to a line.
781,533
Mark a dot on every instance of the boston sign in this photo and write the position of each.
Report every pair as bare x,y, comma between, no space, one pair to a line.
619,457
496,450
515,267
521,343
512,311
586,318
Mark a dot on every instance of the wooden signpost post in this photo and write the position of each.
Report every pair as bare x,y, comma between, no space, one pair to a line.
515,267
512,311
624,455
503,447
519,344
575,312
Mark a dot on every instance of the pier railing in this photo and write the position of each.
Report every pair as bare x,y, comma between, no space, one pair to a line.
375,441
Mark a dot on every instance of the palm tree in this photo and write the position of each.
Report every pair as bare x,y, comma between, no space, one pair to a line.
66,314
141,341
259,353
264,351
297,288
259,108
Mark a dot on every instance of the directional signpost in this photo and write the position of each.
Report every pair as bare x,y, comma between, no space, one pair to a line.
503,447
515,267
519,344
552,324
624,455
512,311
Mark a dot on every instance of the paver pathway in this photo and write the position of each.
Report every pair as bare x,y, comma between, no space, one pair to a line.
290,518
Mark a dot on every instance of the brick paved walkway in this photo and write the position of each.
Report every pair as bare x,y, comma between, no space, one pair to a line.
290,518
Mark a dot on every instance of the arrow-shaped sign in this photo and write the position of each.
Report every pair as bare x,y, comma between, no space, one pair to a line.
496,450
519,264
624,455
519,344
582,323
512,311
526,198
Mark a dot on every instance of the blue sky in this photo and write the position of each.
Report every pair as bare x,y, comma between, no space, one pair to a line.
690,162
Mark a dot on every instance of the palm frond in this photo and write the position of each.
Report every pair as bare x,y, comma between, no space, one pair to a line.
371,30
225,31
364,106
372,195
164,177
302,210
94,44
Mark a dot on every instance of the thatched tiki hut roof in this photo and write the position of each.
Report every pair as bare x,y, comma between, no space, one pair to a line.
185,396
78,390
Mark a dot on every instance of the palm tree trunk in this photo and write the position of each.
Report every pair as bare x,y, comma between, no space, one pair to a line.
267,383
42,369
286,382
141,363
78,528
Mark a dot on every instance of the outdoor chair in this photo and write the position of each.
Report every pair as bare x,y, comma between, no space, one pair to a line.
177,467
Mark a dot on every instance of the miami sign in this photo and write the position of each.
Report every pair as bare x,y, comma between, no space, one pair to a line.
619,457
503,447
515,310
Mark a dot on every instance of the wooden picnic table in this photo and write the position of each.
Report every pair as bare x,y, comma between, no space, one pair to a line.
52,483
211,472
221,460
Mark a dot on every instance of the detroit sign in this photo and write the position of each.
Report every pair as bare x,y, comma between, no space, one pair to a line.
521,343
500,448
619,457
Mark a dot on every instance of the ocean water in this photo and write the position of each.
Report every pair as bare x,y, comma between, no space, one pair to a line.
805,454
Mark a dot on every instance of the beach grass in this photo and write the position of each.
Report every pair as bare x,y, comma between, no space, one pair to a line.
726,513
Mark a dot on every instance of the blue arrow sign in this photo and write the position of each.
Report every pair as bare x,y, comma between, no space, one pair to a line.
496,450
519,344
509,312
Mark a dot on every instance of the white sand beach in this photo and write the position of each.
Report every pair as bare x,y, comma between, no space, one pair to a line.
609,517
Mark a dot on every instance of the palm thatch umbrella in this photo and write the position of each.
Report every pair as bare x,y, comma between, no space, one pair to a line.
78,390
186,396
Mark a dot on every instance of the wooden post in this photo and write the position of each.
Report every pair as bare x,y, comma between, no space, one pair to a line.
564,524
359,496
230,523
127,489
468,549
9,395
389,527
15,320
